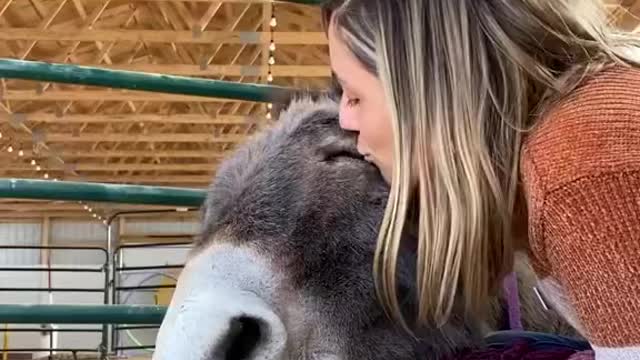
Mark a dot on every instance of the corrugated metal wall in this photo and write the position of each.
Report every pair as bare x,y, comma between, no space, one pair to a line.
77,231
20,234
173,227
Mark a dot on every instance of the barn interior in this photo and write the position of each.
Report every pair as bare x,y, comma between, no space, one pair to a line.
60,132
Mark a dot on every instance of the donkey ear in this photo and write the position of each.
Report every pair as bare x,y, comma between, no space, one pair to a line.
283,102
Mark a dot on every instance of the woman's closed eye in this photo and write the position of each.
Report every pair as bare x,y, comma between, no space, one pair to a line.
352,101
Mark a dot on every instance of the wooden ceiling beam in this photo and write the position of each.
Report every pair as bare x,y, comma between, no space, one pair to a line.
279,2
85,154
126,137
165,36
4,6
101,167
35,214
19,206
192,119
627,18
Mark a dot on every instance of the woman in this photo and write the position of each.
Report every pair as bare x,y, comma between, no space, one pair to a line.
503,126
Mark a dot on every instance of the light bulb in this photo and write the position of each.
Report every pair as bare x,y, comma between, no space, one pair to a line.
94,215
10,149
38,168
0,135
272,60
46,176
269,106
269,115
33,162
270,78
272,47
86,207
273,22
20,153
90,210
56,179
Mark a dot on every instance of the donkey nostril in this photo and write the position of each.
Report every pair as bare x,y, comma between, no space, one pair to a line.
245,333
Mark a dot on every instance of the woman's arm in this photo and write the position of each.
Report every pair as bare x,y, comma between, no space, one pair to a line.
591,234
581,173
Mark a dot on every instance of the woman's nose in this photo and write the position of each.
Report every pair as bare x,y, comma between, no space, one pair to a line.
348,120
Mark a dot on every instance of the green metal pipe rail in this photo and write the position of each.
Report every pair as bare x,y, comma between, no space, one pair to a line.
132,80
99,192
82,314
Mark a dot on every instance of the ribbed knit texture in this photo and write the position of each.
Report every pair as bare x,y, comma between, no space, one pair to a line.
581,175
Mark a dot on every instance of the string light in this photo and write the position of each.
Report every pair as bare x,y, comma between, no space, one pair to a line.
91,211
46,175
33,162
272,60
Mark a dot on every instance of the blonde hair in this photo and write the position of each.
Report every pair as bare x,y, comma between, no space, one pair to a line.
464,80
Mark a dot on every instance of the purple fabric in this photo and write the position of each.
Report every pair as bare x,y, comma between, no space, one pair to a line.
583,355
520,350
510,286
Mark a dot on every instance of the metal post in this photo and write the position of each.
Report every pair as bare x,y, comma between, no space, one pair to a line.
112,245
105,342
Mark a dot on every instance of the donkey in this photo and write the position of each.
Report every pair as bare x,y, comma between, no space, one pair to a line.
282,269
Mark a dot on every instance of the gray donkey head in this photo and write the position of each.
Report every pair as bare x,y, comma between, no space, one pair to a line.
283,267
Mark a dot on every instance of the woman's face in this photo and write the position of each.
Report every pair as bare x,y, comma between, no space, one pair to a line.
363,107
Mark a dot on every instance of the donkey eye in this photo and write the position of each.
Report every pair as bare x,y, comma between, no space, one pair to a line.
343,155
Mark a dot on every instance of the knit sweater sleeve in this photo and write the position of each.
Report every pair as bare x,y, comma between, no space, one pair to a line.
581,173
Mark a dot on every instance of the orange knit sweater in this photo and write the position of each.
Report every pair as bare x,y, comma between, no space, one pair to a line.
581,175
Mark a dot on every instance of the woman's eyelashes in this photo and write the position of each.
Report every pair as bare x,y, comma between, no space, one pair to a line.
351,102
